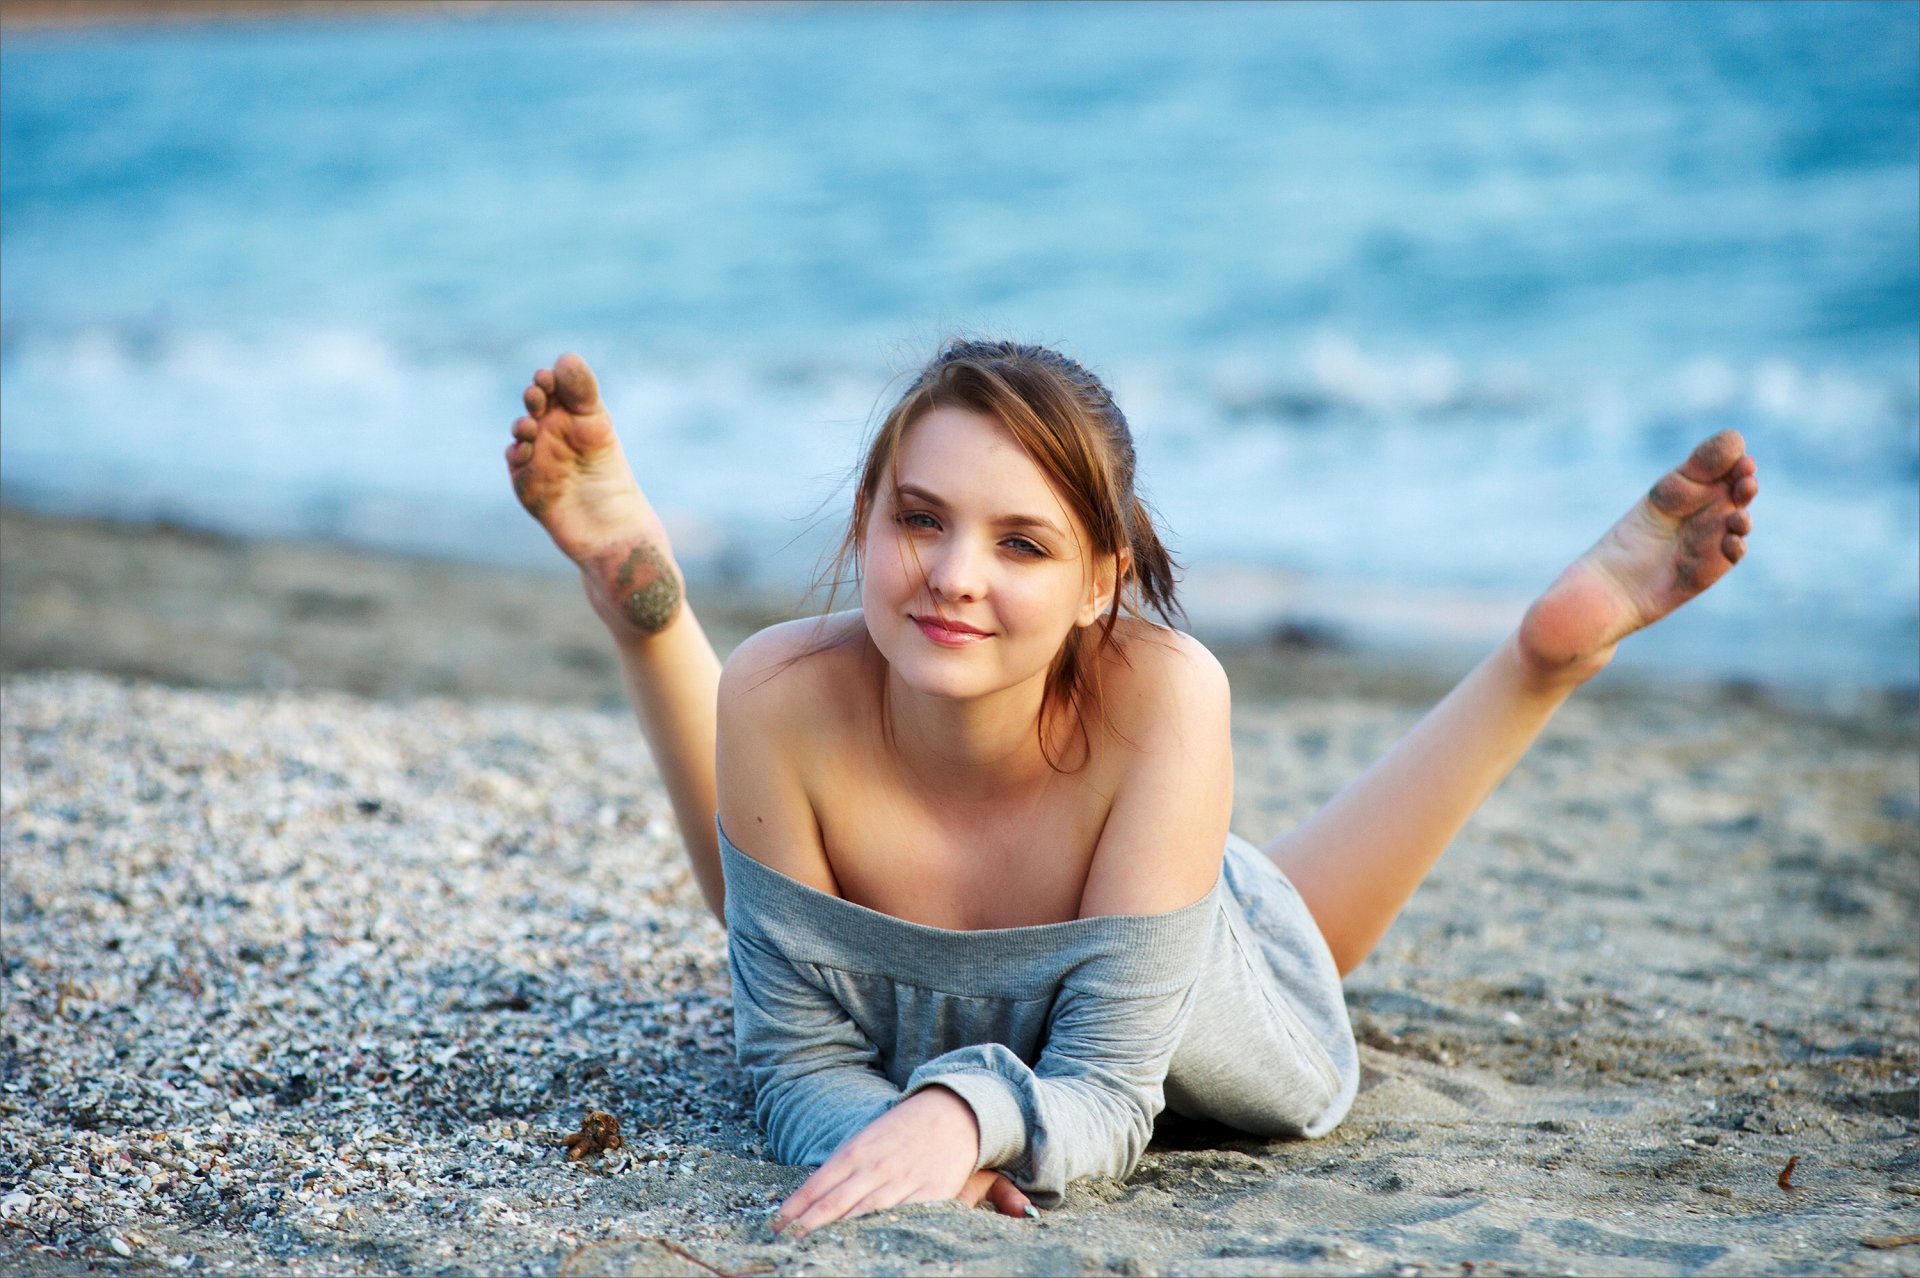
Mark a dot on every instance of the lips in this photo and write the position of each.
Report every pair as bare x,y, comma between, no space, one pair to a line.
949,634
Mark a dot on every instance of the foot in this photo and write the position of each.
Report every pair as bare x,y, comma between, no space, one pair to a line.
569,472
1681,538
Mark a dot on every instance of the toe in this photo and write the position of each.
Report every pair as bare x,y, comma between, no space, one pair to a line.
1715,457
535,399
543,378
1733,547
1739,523
1746,490
1677,496
525,429
574,385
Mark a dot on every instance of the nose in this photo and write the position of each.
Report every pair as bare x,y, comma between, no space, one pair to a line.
956,570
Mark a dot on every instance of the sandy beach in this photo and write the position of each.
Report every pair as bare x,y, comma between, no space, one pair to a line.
339,887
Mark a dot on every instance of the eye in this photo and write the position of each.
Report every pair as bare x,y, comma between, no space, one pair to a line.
1022,546
916,519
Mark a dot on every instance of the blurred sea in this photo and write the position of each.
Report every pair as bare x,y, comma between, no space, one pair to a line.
1406,304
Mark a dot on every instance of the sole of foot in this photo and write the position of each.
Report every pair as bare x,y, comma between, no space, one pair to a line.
570,474
1682,537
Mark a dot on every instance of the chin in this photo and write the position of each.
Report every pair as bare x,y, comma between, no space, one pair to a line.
937,678
928,670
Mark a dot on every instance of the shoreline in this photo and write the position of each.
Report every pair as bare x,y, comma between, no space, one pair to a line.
178,605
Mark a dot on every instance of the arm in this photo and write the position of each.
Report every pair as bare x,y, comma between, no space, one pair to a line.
1167,698
816,1077
770,703
821,1096
819,1089
1087,1106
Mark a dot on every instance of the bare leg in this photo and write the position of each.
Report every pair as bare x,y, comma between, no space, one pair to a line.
1357,860
569,472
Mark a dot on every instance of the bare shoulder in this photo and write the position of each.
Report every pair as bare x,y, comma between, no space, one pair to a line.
1158,680
1170,763
781,693
790,663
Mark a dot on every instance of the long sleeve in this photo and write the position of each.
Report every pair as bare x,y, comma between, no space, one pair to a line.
1057,1036
1086,1107
816,1077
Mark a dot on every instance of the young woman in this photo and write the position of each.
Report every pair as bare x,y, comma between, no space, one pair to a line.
985,916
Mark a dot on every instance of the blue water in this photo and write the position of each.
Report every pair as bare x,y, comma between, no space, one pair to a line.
1406,303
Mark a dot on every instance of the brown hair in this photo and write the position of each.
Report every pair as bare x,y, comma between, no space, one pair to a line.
1066,421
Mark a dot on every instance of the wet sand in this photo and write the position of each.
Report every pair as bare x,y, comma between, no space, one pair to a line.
339,897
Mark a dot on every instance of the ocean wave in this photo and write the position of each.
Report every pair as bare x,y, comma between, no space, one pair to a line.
296,430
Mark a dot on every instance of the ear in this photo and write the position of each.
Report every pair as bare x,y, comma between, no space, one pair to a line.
1108,572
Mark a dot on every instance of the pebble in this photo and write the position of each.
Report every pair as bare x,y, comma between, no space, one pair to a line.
299,953
250,1000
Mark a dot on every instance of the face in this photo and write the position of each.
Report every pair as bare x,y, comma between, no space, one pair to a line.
976,575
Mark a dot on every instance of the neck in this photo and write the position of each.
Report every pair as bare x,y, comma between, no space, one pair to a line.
983,748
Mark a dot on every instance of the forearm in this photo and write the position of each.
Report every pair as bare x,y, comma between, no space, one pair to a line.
816,1074
673,681
1362,854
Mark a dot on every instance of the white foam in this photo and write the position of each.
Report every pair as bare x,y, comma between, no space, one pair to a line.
1410,481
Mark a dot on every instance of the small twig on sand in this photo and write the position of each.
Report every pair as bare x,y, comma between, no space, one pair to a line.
1786,1174
664,1243
1887,1242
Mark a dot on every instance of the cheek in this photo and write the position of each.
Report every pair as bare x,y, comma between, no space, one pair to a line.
886,566
1047,602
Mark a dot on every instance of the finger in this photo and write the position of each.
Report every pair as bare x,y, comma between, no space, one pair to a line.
884,1195
975,1190
535,399
802,1198
525,428
839,1201
833,1178
1008,1200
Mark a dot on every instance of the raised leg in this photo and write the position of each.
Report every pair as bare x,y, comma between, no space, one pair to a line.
569,472
1358,860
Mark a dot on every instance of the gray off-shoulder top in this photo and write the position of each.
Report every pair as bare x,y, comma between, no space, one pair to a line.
1065,1039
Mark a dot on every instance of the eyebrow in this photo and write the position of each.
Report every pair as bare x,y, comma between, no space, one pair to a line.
1004,521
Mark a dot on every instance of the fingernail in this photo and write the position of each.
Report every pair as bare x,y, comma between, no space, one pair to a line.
1031,1212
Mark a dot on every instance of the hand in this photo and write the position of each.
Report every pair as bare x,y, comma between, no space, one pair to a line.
921,1150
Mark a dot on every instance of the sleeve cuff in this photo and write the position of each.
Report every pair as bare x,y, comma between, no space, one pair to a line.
1003,1126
